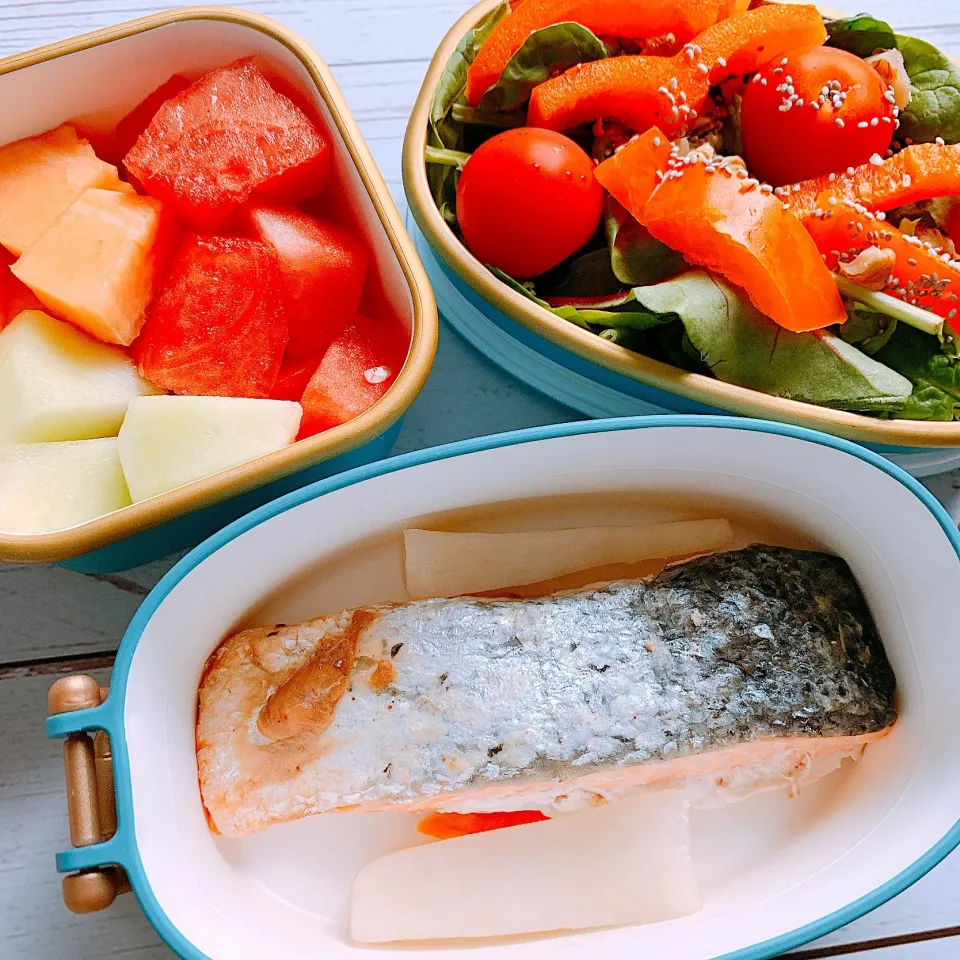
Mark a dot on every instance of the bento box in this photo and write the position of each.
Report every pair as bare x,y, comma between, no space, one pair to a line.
574,366
775,872
78,80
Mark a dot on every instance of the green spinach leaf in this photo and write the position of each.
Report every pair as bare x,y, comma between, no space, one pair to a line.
742,346
862,35
932,368
546,51
867,330
934,108
445,133
637,258
620,311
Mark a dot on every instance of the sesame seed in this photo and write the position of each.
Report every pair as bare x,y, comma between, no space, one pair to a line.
951,313
885,119
882,216
703,68
783,62
863,125
874,121
832,201
657,141
784,107
889,96
912,261
763,81
778,70
839,121
800,102
709,169
832,177
672,84
766,188
815,105
876,160
851,171
722,61
670,38
940,142
689,52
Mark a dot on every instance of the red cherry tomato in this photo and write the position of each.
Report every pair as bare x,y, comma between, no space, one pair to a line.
528,199
817,110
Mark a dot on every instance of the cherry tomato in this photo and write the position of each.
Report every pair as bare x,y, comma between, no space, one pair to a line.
528,199
817,110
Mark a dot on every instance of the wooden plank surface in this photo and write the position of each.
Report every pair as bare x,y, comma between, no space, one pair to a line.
53,620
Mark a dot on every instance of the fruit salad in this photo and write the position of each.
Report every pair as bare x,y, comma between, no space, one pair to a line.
168,306
749,191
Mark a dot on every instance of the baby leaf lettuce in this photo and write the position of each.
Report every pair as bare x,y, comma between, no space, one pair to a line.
637,258
615,311
546,51
932,367
445,133
742,346
934,108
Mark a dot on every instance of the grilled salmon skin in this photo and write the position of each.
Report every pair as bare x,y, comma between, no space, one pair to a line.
726,675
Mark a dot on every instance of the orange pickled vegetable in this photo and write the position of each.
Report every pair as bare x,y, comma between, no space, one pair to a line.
671,91
630,175
615,18
923,275
715,215
447,826
920,172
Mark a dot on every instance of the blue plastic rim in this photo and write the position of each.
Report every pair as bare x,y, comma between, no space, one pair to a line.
122,848
580,384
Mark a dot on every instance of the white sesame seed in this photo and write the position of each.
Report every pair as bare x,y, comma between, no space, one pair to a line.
839,121
784,107
672,84
874,121
800,102
940,142
885,119
722,61
766,188
815,105
783,62
670,38
881,215
763,81
832,201
778,70
876,160
863,125
657,141
703,68
832,177
851,171
786,207
689,52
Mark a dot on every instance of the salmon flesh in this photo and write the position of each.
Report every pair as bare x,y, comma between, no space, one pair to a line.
733,673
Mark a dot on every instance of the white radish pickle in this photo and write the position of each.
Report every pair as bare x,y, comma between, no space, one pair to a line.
621,863
45,487
442,564
58,384
166,442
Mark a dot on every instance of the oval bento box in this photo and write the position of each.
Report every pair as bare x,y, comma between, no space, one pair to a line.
593,376
77,80
776,872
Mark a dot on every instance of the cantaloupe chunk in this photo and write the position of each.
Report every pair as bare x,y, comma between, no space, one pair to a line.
40,177
166,442
56,383
95,264
52,486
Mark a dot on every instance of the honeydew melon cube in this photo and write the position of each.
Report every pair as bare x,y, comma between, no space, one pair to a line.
166,442
40,177
94,265
56,383
52,486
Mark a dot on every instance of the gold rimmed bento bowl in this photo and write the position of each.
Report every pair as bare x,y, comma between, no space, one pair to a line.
97,78
594,376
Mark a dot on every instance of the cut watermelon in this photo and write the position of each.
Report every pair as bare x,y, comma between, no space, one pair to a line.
227,138
218,326
293,379
15,296
135,122
324,267
356,371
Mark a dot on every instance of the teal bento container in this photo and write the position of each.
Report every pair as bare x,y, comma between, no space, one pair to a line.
776,870
76,80
592,376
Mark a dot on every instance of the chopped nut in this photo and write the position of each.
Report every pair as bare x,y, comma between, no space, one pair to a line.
870,268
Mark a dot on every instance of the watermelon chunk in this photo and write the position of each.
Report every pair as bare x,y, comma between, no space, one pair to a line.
229,137
218,326
324,267
293,379
135,122
356,371
15,295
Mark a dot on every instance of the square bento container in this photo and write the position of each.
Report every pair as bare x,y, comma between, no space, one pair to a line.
775,871
95,80
594,376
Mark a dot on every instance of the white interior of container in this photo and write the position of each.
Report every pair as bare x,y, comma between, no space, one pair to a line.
100,85
768,865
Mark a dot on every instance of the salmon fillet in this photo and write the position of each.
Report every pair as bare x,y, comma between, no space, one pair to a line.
745,671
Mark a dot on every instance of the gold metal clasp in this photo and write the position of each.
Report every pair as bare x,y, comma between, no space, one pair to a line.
91,801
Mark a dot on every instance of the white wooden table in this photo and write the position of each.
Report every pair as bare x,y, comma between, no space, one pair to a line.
53,621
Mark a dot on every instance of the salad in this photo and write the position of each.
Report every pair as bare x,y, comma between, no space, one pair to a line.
753,192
